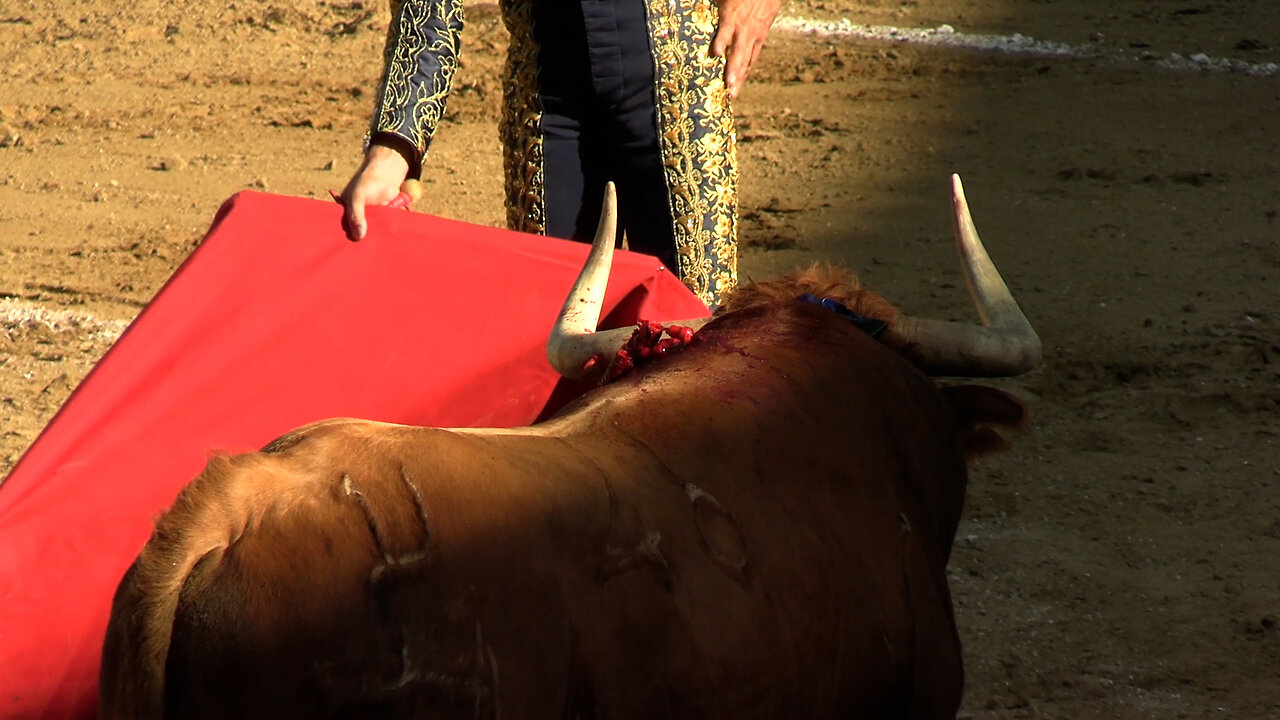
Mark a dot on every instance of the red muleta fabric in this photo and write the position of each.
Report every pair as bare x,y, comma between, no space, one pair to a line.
275,321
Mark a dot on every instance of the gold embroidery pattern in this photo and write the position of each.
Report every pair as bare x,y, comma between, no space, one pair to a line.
420,30
698,144
696,135
521,126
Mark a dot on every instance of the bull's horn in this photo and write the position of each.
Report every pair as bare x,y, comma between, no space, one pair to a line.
574,339
1005,343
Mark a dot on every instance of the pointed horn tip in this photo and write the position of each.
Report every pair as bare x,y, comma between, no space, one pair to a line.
957,190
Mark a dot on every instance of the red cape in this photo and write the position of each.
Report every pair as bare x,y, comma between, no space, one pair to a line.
274,322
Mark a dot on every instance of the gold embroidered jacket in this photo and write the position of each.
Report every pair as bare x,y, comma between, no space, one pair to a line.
695,122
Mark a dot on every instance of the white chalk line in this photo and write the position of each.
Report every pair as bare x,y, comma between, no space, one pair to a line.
1017,44
15,313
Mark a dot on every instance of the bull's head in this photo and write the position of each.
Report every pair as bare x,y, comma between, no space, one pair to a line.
1004,344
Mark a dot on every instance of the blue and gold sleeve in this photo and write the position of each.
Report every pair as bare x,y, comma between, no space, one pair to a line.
420,59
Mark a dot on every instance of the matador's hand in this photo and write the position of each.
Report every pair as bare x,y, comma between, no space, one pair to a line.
744,26
377,182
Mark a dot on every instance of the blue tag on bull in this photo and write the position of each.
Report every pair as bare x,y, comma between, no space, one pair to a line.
870,326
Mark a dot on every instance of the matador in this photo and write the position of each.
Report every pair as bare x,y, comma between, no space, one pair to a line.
637,92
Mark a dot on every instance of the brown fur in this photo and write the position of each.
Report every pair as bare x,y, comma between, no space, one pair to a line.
757,526
980,410
823,280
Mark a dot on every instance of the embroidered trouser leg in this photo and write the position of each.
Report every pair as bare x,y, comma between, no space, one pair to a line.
599,122
585,53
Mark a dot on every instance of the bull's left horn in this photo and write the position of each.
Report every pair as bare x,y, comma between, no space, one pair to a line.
1005,344
574,339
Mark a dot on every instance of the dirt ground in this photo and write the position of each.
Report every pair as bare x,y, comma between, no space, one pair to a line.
1120,562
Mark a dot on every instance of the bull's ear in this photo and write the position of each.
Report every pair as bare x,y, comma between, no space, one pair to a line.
981,413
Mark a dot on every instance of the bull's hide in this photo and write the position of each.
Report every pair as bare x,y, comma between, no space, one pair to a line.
757,526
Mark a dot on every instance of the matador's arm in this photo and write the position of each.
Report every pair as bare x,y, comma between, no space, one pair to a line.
420,59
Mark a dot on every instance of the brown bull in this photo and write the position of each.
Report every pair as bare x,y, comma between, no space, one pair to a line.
757,525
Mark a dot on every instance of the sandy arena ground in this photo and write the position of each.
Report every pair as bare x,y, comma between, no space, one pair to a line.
1120,562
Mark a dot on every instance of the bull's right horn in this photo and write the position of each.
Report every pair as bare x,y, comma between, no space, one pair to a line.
574,339
1005,344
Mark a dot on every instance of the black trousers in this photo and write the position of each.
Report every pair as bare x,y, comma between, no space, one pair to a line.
599,122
